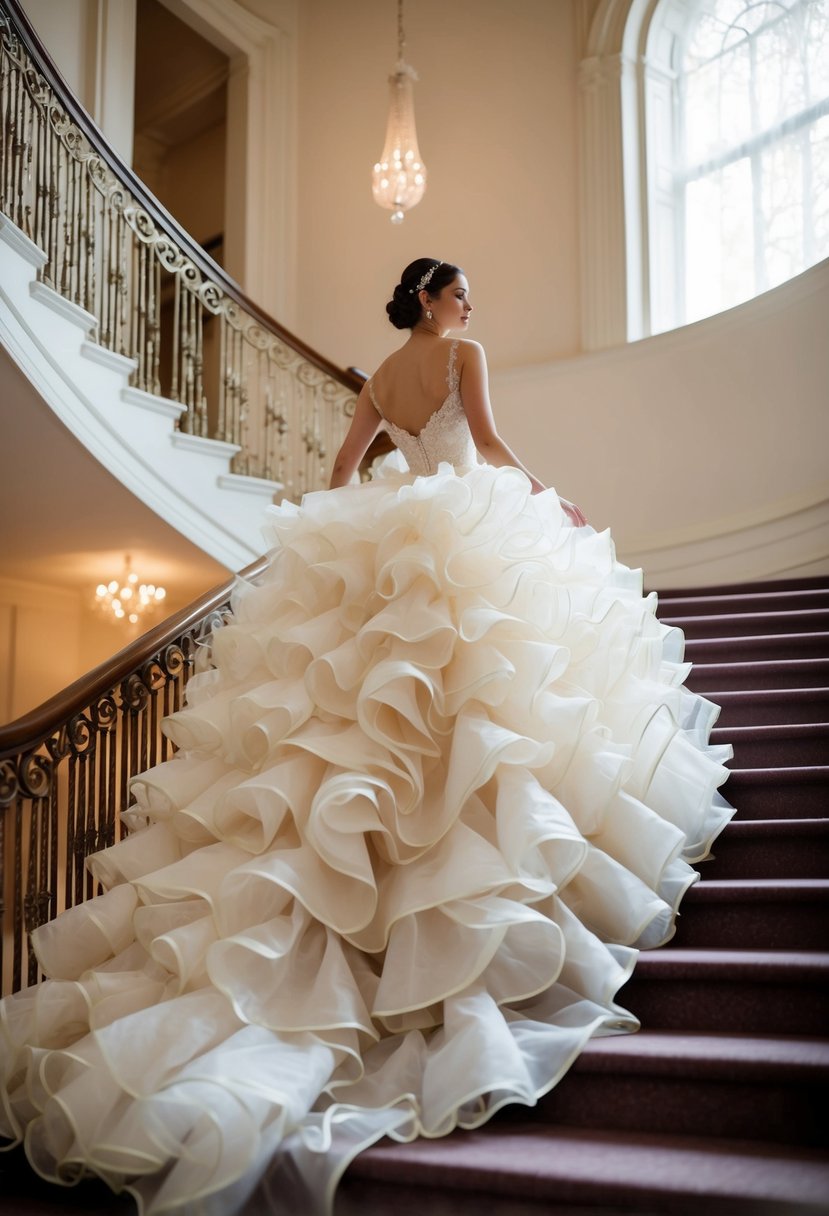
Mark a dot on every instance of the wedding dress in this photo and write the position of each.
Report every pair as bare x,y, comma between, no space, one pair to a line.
439,782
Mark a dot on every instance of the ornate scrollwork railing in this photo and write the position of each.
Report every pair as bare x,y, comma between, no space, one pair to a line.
155,296
65,771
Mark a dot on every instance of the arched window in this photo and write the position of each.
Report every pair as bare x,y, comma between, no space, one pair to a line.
737,109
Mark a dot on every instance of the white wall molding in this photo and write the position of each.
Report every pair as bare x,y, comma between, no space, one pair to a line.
21,244
601,202
704,448
136,445
260,219
113,61
85,321
785,542
728,323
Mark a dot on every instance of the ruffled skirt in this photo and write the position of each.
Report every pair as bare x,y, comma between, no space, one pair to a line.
438,784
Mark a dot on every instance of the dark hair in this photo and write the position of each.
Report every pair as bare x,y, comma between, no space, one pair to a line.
404,307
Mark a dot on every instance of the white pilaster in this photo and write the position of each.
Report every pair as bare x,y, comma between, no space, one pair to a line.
602,203
114,65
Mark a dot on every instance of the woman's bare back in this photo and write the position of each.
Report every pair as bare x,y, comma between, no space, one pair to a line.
411,384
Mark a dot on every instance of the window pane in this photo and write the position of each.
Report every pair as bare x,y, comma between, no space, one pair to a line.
781,192
719,266
750,196
819,193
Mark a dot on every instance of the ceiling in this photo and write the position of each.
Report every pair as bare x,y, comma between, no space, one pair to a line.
180,78
66,521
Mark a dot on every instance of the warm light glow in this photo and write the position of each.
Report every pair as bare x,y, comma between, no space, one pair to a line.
399,177
141,598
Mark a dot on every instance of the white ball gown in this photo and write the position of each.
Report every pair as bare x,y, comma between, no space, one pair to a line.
440,783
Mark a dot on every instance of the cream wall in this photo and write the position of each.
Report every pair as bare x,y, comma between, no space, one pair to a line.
93,45
50,636
496,118
39,644
704,448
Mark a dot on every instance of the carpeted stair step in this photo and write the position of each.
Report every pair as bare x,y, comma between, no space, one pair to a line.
530,1169
750,624
814,582
770,848
753,1087
760,648
789,746
730,991
692,604
770,706
779,793
754,676
755,914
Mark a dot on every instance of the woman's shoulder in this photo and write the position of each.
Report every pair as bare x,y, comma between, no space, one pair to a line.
470,352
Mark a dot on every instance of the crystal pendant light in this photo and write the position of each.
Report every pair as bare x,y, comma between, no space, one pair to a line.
125,599
399,178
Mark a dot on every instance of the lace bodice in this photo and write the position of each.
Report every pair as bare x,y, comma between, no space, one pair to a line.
445,436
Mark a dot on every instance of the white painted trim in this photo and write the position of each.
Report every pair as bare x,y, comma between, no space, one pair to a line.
250,485
22,244
772,548
150,401
805,504
203,445
114,67
811,282
108,358
260,244
84,320
180,486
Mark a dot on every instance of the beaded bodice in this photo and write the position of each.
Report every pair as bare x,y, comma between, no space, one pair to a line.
445,436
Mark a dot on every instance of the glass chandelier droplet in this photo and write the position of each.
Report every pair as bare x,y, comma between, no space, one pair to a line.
399,177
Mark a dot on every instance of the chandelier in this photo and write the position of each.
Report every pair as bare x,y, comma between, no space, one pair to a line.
127,599
398,180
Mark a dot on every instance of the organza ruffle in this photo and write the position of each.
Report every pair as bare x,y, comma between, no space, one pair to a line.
440,783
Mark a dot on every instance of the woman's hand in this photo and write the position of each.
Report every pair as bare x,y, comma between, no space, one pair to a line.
573,513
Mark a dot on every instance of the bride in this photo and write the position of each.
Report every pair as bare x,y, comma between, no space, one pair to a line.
439,782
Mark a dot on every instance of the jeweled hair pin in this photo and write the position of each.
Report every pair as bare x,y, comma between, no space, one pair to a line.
424,282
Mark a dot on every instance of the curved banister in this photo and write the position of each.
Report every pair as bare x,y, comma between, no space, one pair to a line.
65,770
32,728
229,372
111,249
350,378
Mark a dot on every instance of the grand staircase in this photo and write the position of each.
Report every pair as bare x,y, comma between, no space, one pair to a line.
717,1105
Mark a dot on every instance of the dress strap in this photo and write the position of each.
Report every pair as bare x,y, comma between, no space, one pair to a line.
452,377
374,400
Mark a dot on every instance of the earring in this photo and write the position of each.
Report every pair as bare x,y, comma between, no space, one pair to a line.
428,314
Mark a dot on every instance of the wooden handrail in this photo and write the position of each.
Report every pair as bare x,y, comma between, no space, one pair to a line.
30,729
150,203
66,766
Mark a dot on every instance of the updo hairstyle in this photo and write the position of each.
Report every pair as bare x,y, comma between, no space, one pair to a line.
404,307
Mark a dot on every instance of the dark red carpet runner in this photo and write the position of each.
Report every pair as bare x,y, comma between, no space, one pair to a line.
718,1105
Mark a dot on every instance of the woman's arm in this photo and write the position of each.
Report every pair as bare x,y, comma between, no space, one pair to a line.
364,426
490,445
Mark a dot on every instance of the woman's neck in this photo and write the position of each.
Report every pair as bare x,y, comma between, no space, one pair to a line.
427,332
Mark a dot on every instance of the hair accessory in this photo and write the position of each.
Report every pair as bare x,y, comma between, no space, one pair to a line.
424,282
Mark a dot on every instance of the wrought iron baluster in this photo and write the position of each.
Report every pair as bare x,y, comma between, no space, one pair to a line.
18,896
7,784
54,850
30,898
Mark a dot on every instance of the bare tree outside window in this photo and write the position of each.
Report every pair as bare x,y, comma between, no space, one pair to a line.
751,150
